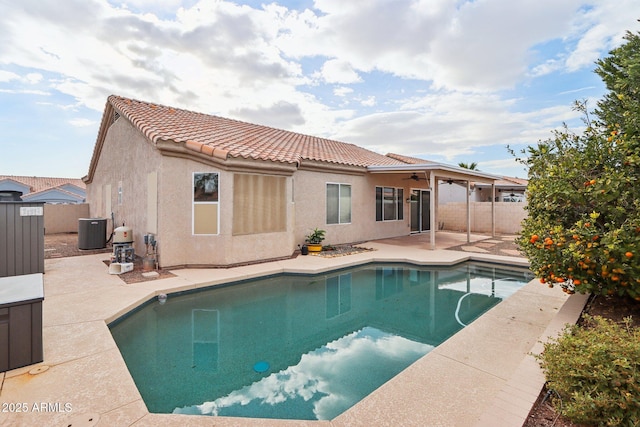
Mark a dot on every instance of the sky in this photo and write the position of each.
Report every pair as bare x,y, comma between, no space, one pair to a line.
445,80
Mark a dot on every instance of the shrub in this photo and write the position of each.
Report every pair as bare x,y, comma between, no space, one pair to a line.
595,369
582,231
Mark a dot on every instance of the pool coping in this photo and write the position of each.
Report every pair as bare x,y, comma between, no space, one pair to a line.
496,386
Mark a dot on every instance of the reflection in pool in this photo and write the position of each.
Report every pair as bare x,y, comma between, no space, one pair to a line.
311,384
321,343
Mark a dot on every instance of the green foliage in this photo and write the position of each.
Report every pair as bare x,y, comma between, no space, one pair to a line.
596,372
316,236
583,226
471,166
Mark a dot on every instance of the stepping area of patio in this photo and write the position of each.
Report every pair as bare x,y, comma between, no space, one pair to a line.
482,376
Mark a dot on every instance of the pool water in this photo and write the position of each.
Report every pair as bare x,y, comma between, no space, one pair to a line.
298,346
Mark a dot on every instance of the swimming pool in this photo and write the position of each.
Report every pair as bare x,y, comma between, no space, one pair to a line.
298,346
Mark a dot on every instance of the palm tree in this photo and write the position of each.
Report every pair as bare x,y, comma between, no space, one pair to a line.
472,166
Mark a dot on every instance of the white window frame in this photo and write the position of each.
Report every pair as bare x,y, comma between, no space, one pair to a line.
194,203
398,203
340,185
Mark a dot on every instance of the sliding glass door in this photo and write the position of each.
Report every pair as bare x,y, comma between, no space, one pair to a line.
420,211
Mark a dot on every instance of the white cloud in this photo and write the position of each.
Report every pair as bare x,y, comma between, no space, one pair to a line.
342,91
33,78
25,92
314,378
369,102
7,76
82,122
442,75
337,71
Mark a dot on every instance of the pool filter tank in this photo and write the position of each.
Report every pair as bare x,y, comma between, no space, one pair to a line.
123,234
123,253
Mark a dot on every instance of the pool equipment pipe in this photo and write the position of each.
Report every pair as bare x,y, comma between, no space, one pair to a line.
150,259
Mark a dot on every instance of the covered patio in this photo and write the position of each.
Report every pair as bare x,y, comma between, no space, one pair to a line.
427,216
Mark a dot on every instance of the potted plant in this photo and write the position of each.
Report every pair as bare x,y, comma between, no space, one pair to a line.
314,240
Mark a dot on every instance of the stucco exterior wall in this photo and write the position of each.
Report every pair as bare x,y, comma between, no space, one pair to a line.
310,204
120,180
179,246
509,217
63,218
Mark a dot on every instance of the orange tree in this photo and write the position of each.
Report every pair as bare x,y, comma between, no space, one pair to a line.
582,231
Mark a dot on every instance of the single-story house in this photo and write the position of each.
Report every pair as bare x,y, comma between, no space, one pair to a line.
218,192
44,189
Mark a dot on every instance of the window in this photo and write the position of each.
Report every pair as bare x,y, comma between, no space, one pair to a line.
338,203
389,282
205,203
338,295
389,204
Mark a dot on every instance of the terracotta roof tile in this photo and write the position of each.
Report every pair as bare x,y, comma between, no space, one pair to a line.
220,137
408,159
37,183
510,180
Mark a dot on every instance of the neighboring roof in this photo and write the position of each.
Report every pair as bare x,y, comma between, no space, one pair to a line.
54,195
509,180
408,159
37,183
223,138
512,182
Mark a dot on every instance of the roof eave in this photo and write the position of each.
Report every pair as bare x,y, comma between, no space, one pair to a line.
226,162
438,168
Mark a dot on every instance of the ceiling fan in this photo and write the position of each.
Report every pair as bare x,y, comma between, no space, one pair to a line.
453,181
414,176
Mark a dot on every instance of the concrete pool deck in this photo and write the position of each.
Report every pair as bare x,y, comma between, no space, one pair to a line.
482,376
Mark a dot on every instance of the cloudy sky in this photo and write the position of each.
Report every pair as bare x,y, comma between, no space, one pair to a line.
446,80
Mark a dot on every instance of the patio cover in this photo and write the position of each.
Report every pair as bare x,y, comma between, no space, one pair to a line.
433,172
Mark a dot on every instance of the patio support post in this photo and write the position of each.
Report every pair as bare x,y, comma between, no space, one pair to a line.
468,213
493,209
433,183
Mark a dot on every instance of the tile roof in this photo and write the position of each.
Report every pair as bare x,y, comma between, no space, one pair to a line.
510,180
220,137
505,181
409,160
37,183
51,193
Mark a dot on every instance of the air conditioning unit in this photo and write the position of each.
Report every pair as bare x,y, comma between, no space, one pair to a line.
92,233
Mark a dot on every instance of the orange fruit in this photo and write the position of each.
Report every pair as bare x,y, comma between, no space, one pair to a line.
629,254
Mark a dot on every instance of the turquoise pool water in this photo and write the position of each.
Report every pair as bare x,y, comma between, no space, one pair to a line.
296,346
